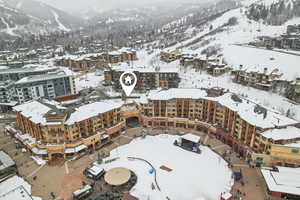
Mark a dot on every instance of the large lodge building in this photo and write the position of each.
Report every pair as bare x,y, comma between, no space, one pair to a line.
85,62
147,78
250,129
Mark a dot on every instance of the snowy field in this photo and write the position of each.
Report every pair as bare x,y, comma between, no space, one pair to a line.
194,176
93,79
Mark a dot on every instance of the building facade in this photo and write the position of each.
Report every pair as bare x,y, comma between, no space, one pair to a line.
52,85
263,80
54,131
87,61
224,115
147,79
17,74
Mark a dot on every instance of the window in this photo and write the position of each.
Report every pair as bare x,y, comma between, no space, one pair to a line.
295,150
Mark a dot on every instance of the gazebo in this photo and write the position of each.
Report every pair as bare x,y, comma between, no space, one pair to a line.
117,176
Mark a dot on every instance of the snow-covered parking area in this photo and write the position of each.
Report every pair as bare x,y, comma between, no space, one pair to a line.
193,177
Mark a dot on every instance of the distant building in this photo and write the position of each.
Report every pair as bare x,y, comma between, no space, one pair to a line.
147,78
257,78
293,29
170,56
86,61
17,74
52,85
293,90
290,40
213,66
6,95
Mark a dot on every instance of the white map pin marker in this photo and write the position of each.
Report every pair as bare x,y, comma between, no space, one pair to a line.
128,81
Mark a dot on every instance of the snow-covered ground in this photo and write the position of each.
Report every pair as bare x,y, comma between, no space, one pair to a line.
194,176
93,80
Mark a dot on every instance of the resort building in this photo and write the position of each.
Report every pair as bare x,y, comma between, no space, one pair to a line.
252,130
237,121
19,73
53,131
147,78
52,85
293,90
80,62
87,61
170,56
213,66
257,78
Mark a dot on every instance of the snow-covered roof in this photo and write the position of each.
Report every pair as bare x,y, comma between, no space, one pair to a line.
286,180
26,139
75,149
39,151
287,133
126,67
191,137
15,188
174,93
95,170
91,110
79,57
35,110
5,161
122,50
245,107
28,68
62,72
293,145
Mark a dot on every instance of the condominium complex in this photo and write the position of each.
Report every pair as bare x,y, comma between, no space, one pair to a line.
213,66
54,84
147,78
257,78
54,131
17,74
50,83
86,61
252,130
238,121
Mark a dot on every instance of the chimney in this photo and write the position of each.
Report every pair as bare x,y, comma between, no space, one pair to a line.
265,70
241,67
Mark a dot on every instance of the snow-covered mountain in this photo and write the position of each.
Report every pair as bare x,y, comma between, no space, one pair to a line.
22,17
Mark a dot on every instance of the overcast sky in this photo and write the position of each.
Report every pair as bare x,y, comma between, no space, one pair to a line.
77,5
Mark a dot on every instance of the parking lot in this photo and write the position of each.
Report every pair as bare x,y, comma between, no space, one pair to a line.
62,180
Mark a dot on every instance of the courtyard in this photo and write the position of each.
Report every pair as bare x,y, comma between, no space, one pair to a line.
63,179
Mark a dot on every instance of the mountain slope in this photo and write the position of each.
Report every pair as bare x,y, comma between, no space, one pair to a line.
274,12
22,17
